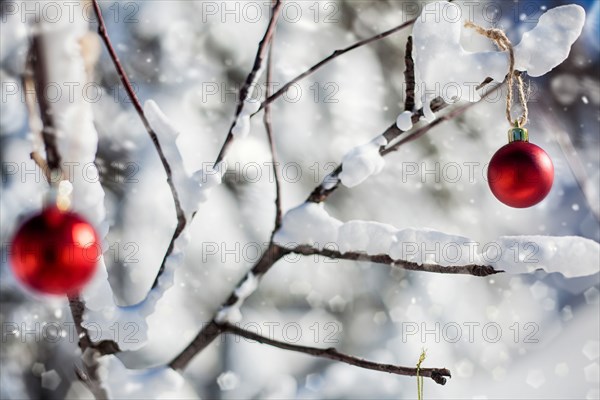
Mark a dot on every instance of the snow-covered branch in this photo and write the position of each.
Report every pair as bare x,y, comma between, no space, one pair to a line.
310,230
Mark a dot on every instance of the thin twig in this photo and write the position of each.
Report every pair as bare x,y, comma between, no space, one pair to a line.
331,57
439,375
181,221
258,62
409,76
468,269
269,130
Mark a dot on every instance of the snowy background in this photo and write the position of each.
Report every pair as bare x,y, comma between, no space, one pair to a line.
191,58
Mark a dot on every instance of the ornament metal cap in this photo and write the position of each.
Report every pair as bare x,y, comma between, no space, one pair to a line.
518,134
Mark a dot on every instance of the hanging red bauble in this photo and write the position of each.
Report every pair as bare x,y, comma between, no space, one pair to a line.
55,252
520,174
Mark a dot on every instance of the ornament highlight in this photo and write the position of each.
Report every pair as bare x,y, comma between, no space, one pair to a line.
520,174
55,252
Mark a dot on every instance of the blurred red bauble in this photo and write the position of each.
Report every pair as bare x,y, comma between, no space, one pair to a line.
55,252
520,174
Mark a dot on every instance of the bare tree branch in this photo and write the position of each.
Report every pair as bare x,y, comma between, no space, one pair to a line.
258,62
469,269
409,76
181,222
269,130
331,57
439,375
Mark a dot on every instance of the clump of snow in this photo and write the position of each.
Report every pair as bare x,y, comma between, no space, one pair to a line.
308,224
373,237
436,37
192,188
427,246
549,42
404,121
207,179
362,161
553,254
232,313
241,128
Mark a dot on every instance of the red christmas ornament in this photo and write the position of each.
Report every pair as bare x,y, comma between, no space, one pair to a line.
55,252
520,174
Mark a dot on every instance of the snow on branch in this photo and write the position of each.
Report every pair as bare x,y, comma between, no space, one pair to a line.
309,229
362,162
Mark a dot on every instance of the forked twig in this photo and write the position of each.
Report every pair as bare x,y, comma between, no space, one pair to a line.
181,220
